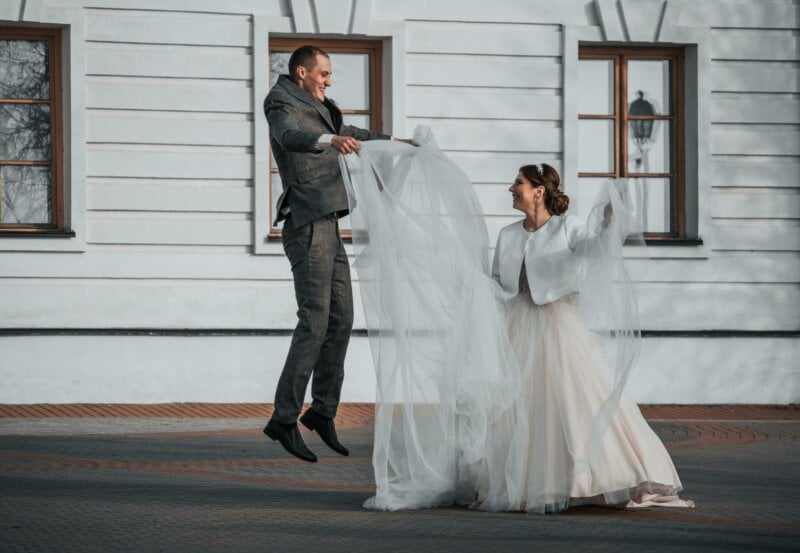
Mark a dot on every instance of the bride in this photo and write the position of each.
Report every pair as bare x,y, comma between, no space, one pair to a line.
555,461
497,396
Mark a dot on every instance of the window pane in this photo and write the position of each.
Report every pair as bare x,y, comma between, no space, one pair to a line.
24,69
26,195
595,146
596,87
656,201
24,132
357,120
278,65
649,82
657,204
350,80
653,154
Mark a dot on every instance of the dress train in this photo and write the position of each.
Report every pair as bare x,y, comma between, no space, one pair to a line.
564,379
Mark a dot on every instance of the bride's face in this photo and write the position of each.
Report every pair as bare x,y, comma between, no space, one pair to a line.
523,193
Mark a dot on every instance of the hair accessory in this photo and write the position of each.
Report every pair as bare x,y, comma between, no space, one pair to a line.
540,168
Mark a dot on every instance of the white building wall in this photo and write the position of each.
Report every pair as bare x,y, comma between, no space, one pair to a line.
170,124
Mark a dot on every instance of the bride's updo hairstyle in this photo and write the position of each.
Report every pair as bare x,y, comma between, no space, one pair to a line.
545,175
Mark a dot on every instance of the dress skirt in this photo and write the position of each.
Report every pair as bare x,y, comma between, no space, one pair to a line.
534,446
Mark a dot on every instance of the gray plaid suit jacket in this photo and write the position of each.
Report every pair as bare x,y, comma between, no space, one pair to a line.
312,182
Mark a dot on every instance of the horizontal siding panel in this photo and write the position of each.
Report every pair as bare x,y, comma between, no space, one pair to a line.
746,14
171,130
183,197
748,173
760,307
761,45
168,96
483,38
754,77
745,142
186,165
755,110
430,102
471,71
760,268
157,304
163,28
484,138
756,269
168,62
151,265
258,305
756,206
499,168
244,7
564,11
761,237
495,199
168,231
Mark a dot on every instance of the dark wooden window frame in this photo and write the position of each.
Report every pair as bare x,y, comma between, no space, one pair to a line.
53,38
621,55
374,48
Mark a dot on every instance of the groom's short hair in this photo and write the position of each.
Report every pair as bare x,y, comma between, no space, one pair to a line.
305,56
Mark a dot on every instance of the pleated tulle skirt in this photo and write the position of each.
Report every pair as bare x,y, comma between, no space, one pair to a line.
534,445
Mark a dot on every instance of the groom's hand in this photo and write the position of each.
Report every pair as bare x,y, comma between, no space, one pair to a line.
345,144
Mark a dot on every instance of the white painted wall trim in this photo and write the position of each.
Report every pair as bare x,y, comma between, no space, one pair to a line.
394,74
262,27
245,369
71,19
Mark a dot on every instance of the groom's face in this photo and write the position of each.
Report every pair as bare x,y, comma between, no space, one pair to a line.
316,79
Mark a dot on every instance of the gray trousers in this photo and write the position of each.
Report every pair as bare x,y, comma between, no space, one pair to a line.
324,295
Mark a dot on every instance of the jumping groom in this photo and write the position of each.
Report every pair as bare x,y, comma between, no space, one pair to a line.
307,134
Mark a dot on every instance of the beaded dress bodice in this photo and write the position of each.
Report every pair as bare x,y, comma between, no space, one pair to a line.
523,280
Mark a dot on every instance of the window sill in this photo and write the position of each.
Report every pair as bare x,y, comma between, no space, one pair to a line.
46,233
668,248
673,241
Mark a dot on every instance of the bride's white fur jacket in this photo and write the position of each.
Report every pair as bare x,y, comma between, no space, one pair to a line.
552,262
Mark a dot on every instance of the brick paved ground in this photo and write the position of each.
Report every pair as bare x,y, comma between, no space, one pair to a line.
190,479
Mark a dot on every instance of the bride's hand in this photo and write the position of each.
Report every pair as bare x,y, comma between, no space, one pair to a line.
607,213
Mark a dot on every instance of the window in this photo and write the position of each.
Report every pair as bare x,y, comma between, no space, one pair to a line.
630,125
355,85
30,131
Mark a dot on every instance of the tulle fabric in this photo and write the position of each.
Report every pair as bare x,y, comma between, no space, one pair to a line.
445,370
461,416
565,379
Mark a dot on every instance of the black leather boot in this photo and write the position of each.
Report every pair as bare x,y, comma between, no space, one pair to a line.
291,440
325,428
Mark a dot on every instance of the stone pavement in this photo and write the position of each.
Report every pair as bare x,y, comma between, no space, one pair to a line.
173,479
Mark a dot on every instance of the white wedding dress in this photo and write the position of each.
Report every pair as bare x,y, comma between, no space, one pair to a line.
482,399
565,378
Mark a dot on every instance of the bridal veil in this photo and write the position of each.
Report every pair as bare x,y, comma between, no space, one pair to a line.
436,320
